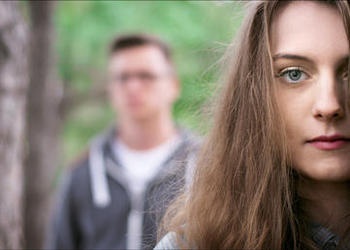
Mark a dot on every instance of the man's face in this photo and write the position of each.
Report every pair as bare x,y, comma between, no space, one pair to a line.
142,84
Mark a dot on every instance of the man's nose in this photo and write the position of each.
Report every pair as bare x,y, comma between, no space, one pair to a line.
329,103
134,83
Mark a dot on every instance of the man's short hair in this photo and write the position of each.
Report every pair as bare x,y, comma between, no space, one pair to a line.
128,41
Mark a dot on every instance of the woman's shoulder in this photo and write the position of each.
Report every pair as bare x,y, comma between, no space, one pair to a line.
167,242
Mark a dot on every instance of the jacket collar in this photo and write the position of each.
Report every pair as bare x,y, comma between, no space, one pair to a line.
103,162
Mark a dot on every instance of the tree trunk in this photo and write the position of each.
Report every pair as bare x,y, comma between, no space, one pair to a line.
43,120
13,84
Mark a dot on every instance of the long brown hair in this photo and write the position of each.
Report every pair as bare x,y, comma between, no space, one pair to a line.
243,193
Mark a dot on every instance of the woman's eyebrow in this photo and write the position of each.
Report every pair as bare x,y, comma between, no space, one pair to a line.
342,61
292,57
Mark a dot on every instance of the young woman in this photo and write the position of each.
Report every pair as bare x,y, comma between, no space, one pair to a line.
275,171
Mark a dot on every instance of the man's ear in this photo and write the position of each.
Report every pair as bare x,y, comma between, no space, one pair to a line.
177,87
109,88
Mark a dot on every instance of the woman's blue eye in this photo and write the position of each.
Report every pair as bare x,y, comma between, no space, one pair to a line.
293,75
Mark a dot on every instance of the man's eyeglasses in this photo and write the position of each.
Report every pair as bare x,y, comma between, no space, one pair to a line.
144,77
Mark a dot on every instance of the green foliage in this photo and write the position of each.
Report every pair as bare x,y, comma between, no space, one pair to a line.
197,31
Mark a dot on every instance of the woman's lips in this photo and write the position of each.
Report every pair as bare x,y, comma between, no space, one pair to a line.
329,142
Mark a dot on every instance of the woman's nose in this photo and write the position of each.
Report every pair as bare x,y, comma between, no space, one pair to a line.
328,103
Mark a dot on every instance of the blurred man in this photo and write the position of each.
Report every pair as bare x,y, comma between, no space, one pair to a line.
114,197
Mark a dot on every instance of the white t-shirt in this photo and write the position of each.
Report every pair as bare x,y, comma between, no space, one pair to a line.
140,166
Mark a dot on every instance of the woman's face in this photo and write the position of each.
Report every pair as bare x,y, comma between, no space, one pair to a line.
310,53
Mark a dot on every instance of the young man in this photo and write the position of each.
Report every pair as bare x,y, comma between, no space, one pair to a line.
115,197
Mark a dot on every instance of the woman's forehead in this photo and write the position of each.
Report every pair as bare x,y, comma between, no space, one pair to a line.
309,28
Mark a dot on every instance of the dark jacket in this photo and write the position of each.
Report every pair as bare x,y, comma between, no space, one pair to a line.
94,204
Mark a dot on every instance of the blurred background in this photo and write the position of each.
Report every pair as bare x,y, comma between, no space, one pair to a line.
198,31
62,103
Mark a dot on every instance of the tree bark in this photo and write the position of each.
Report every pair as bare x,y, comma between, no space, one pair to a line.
13,86
44,124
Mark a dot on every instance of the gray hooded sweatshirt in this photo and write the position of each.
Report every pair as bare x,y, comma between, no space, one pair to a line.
95,201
